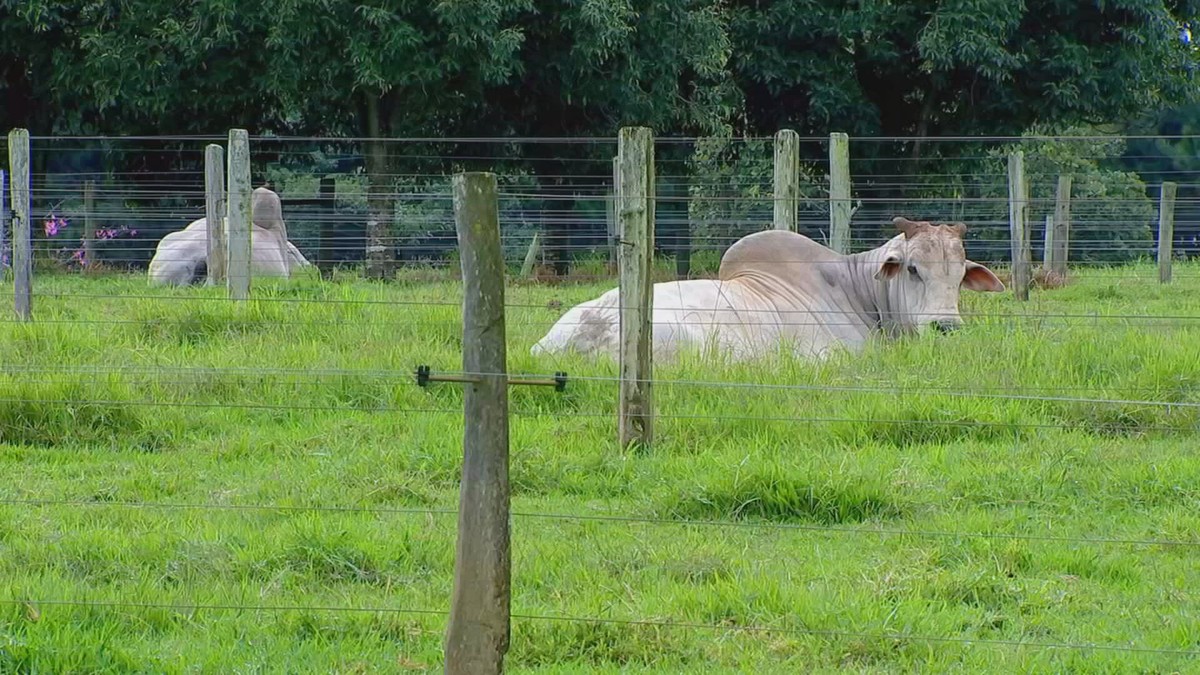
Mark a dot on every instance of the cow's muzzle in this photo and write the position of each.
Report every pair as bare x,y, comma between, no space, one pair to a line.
946,325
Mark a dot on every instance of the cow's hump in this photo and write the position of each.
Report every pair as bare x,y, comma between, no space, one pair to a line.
777,252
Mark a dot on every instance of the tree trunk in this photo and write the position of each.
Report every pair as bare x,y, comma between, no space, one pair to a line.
380,251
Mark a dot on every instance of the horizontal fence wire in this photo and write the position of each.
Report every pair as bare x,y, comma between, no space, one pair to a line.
378,408
613,519
981,391
723,188
662,623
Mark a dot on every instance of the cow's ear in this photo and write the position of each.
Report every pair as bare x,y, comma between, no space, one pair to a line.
889,268
980,278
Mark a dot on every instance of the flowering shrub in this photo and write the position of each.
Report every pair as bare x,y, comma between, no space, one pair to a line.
54,224
78,256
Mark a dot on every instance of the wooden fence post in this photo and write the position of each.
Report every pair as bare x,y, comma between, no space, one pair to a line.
614,222
89,223
477,635
531,256
636,214
214,212
1058,244
1166,230
22,223
839,192
327,193
1049,245
238,216
787,179
3,220
1018,207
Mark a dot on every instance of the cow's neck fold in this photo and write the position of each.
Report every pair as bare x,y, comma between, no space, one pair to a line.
870,292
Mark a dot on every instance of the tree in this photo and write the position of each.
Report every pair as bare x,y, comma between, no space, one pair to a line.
958,67
395,67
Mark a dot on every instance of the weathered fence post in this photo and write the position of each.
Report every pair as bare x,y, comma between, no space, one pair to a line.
1057,244
238,216
327,192
1018,207
787,179
531,255
1166,230
89,224
214,212
22,223
614,221
1049,243
3,220
839,192
477,635
636,215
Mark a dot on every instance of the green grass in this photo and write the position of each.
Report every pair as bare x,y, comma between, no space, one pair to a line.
799,522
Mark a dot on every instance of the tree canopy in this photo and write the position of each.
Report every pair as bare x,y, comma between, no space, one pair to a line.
535,67
517,68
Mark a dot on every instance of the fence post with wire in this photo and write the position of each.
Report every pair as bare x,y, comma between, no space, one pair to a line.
1166,230
3,220
22,223
635,213
477,635
1059,232
1018,222
787,179
840,209
214,212
238,216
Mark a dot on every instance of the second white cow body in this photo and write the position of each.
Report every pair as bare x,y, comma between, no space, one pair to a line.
778,289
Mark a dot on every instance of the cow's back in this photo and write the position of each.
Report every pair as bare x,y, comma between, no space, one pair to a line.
809,285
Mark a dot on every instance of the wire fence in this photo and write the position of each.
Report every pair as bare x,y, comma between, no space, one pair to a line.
710,193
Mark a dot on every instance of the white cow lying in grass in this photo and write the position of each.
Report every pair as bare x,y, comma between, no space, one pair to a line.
781,289
181,257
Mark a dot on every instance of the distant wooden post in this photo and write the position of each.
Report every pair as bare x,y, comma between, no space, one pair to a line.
325,226
1166,231
89,223
840,208
238,216
531,256
614,220
1018,207
22,223
636,210
214,212
3,220
787,179
1058,243
477,636
1049,238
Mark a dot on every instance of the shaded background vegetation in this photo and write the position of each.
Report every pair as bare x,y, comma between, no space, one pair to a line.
717,77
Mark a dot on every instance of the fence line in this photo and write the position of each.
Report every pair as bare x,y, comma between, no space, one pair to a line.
829,199
626,204
727,628
616,519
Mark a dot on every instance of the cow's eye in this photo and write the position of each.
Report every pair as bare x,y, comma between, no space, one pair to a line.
912,269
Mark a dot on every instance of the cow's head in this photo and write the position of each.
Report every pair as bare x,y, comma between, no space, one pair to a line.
923,269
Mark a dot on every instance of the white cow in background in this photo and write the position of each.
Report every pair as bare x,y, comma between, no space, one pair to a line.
181,257
779,288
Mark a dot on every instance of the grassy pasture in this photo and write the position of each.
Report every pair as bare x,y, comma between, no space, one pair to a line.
789,515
